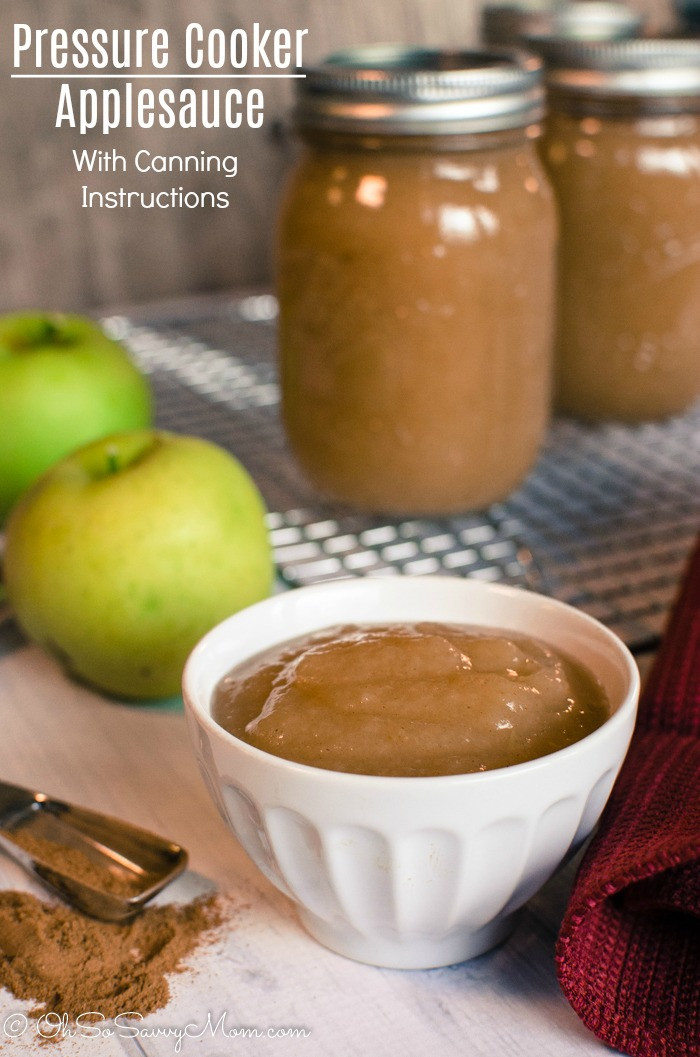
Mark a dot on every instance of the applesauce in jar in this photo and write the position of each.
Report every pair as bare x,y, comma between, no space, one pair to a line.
622,147
415,279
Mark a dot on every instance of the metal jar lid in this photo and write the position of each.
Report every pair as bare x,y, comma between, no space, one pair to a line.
579,20
652,70
390,89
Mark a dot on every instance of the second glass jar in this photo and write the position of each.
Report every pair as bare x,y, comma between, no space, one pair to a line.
416,274
622,148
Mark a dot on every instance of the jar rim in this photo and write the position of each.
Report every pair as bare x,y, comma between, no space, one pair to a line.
583,20
394,89
632,69
574,20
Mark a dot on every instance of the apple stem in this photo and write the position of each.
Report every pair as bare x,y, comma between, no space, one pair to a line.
49,333
112,460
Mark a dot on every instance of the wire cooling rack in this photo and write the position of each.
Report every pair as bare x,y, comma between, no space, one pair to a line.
605,521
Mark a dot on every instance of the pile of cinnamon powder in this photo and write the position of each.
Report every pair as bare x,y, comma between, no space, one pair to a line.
70,964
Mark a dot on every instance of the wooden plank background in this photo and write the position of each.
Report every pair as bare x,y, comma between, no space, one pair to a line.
56,254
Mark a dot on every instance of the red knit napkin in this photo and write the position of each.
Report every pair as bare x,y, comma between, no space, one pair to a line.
628,954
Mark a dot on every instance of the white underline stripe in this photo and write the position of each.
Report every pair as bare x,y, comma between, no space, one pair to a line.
149,76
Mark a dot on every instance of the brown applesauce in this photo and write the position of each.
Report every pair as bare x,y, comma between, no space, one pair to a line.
625,166
415,283
410,699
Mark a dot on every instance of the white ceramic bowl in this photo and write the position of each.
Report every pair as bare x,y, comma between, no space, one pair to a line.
410,872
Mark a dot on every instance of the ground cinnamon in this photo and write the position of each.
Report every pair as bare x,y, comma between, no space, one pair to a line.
69,964
76,864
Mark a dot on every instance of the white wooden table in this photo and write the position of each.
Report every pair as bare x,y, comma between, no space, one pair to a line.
263,972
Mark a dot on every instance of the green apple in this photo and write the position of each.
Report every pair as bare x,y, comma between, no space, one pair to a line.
125,553
63,383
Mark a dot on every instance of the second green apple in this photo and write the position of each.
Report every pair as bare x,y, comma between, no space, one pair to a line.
127,551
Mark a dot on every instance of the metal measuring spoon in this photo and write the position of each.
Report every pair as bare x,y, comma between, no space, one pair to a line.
102,866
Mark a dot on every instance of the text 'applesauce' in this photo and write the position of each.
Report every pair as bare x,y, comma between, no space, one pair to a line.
415,279
410,699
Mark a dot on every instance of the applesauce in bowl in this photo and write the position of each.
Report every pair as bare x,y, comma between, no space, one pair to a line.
409,871
410,699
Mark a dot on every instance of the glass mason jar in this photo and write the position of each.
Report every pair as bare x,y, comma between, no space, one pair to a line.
622,147
415,279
